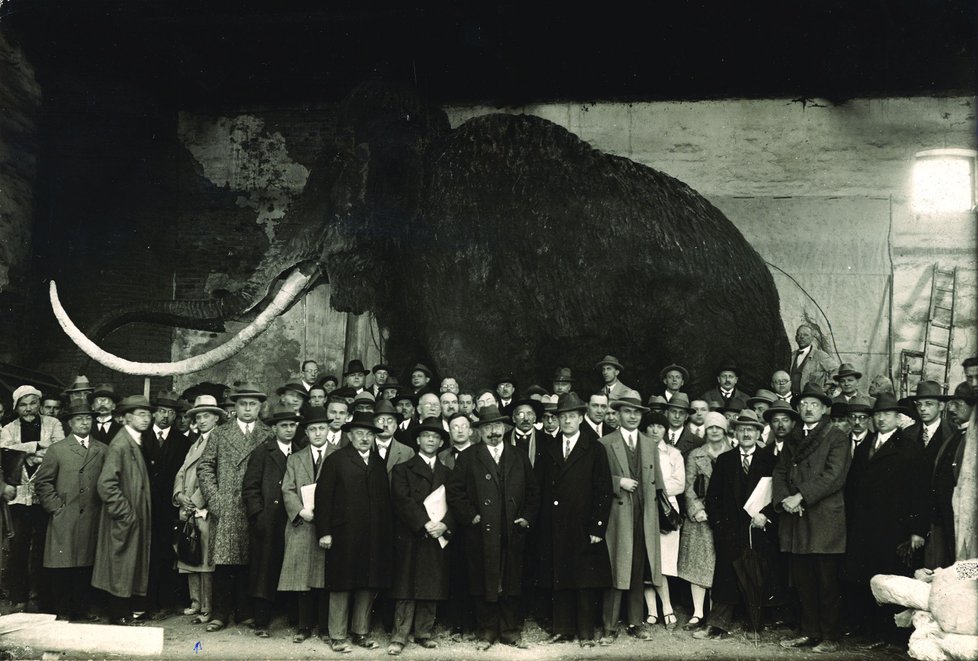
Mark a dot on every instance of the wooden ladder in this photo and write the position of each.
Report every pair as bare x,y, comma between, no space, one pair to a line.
934,361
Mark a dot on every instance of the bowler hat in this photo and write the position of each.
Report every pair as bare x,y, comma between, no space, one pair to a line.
838,410
346,392
355,366
609,360
362,420
679,401
419,367
170,400
430,424
81,384
404,393
673,367
384,407
505,378
77,408
964,392
314,415
780,406
292,386
392,382
634,402
762,396
534,404
570,402
888,402
563,375
811,390
488,415
206,404
247,389
132,403
748,417
381,367
105,390
929,390
859,404
283,413
846,369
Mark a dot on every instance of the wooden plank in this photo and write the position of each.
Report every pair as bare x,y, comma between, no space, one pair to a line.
95,639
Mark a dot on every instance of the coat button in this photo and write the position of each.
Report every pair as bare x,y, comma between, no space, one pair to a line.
81,511
487,502
275,503
556,503
82,491
488,528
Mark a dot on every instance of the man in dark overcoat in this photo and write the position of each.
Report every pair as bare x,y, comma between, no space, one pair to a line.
576,501
220,474
494,497
261,491
353,523
887,497
735,476
122,553
947,468
421,562
66,487
808,495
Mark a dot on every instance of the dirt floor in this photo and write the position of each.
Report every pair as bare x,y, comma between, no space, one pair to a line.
183,640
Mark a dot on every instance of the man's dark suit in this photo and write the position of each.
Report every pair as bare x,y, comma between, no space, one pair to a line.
738,398
105,436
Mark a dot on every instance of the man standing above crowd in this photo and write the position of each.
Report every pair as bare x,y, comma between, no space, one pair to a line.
103,403
563,381
673,377
781,386
678,435
355,376
310,374
810,364
727,394
597,407
610,368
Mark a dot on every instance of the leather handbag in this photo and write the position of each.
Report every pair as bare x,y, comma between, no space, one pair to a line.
188,542
669,517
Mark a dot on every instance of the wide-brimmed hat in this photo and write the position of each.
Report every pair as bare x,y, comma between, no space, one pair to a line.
673,367
714,419
392,382
385,407
838,410
405,393
283,413
429,424
570,402
80,384
355,366
720,407
206,404
679,401
657,403
314,414
563,375
362,420
77,408
420,367
247,390
888,402
364,397
609,360
780,406
846,369
965,392
24,391
170,400
634,402
748,417
859,404
346,392
535,404
929,390
132,403
549,403
762,395
292,386
381,366
811,390
105,390
490,414
729,366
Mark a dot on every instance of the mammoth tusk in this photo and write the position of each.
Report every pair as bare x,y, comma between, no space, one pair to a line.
291,288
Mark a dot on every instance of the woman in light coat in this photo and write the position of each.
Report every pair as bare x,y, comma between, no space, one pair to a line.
673,483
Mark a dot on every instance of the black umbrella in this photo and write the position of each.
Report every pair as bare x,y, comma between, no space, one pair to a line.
751,569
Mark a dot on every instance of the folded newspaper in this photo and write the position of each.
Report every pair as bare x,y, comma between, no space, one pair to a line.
436,505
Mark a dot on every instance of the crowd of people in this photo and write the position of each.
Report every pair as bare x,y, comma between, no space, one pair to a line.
358,504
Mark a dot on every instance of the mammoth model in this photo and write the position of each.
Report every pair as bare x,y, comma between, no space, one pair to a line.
506,245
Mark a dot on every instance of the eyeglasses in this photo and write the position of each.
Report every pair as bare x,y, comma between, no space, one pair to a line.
782,382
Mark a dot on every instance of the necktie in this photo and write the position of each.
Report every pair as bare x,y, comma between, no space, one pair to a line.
319,458
83,442
567,447
745,461
805,431
878,444
925,437
104,426
159,437
383,451
607,390
496,451
631,441
672,436
366,458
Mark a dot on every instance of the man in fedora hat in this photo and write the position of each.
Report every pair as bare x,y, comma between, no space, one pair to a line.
562,381
633,526
550,426
859,416
355,375
65,486
887,512
24,441
947,469
353,520
391,451
810,364
420,376
848,379
576,500
610,368
381,374
494,498
506,392
421,559
221,473
759,403
104,400
329,383
678,435
735,476
390,389
673,377
363,402
929,431
808,486
781,420
79,392
726,392
262,495
286,511
123,552
524,433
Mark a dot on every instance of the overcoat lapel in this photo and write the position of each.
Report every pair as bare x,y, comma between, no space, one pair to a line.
618,447
580,448
420,468
95,450
482,452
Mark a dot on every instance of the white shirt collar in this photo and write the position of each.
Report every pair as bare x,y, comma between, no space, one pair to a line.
136,436
859,437
883,438
590,423
381,444
572,440
286,448
429,460
932,428
243,426
804,352
83,439
157,431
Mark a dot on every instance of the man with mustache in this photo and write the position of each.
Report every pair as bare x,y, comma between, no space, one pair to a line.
104,400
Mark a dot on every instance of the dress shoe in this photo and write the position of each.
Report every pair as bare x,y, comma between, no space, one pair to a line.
262,633
827,647
587,643
394,649
640,631
800,641
483,645
606,641
248,622
191,611
426,643
556,638
669,619
694,623
519,644
711,633
215,625
340,646
363,641
301,635
200,619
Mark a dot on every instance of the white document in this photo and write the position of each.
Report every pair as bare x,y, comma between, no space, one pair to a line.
308,494
761,497
436,505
